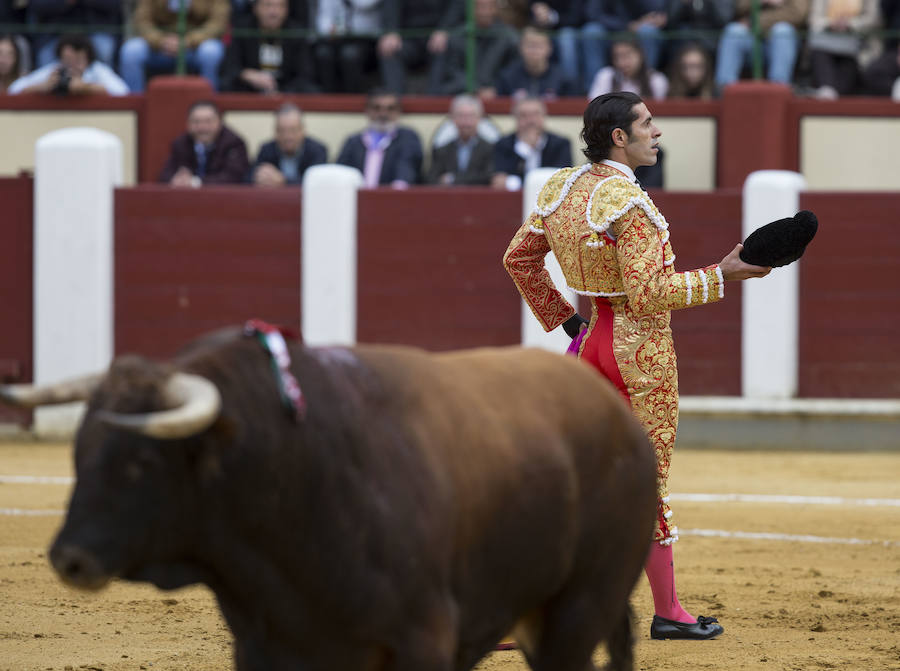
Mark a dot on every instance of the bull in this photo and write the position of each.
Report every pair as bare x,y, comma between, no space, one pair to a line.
424,506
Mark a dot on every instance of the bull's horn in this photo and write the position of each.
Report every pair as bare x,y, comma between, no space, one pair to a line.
195,402
29,396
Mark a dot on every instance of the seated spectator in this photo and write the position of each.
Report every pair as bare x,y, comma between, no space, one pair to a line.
15,12
699,22
644,18
629,72
532,74
779,21
882,76
345,49
468,159
265,62
74,72
103,16
157,43
530,147
285,159
208,153
400,55
495,48
836,32
10,62
385,152
515,13
691,73
565,19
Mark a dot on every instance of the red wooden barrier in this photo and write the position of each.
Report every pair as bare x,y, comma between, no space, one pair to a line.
16,286
191,261
704,228
849,300
430,271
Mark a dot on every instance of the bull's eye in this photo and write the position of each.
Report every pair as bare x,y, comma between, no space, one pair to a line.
133,471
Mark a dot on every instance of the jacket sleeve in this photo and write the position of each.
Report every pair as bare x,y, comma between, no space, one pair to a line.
650,287
144,24
235,165
524,261
214,26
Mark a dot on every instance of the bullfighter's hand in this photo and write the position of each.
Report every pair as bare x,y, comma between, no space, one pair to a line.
734,269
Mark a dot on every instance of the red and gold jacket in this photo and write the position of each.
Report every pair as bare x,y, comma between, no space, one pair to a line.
610,241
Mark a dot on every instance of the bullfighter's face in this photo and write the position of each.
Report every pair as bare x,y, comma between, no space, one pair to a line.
641,145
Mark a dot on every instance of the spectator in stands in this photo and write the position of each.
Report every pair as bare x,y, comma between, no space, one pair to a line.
645,18
157,43
468,159
691,73
103,16
836,32
700,21
10,62
565,20
345,49
495,48
530,147
515,13
882,76
285,159
779,21
15,11
74,72
532,73
385,152
208,153
265,62
400,55
629,72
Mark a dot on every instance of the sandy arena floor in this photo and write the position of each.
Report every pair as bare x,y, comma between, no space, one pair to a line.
823,593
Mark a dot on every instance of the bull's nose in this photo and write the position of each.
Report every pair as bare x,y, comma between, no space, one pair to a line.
78,567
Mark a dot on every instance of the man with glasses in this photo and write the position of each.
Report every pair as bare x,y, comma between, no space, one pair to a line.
385,152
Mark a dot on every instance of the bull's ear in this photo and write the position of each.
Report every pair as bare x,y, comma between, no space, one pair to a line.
194,404
67,391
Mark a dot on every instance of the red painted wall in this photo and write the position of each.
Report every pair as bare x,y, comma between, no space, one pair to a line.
430,271
704,228
16,286
849,335
188,262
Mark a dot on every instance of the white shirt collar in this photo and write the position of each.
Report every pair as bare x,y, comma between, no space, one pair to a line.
621,167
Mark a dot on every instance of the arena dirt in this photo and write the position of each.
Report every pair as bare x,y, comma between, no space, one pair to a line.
785,604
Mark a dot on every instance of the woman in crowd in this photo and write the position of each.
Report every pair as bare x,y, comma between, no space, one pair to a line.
629,72
691,73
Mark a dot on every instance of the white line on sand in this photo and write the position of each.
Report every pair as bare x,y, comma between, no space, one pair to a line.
21,512
36,480
786,499
794,538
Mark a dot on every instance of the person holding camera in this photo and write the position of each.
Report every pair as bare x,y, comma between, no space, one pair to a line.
74,72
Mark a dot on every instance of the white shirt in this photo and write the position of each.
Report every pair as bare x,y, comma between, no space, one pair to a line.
603,83
96,73
621,167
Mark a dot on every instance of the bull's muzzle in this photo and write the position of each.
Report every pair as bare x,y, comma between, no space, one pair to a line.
78,567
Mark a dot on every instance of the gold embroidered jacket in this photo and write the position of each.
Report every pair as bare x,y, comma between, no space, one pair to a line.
610,241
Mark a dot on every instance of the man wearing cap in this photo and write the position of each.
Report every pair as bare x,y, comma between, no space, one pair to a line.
613,246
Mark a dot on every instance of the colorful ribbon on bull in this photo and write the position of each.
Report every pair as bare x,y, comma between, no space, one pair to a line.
272,338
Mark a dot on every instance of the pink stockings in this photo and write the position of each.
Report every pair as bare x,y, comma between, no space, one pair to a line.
660,571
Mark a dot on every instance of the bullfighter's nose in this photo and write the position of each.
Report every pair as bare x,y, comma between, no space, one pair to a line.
78,567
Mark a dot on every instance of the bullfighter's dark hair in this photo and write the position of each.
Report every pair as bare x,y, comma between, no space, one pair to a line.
76,42
602,116
204,102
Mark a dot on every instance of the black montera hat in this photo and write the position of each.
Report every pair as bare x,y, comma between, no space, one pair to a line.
780,242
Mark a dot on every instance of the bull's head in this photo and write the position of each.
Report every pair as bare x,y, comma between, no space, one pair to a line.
130,491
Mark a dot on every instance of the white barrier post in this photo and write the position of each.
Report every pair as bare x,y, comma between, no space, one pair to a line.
328,256
769,311
533,334
76,172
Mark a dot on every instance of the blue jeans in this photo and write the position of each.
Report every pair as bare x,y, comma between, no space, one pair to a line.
136,55
104,47
585,51
736,47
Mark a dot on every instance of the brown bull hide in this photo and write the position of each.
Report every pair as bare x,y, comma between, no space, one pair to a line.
426,505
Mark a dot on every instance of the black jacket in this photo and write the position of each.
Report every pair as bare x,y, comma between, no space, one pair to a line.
557,153
479,170
293,76
312,152
551,84
402,158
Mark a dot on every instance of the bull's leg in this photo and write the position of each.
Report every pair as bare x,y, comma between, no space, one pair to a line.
431,644
573,626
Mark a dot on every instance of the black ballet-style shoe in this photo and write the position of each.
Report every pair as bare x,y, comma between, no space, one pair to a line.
704,628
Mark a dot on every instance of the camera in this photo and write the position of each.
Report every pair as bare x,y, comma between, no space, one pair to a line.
65,80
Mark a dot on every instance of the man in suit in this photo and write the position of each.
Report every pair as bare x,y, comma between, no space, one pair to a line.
208,153
385,152
530,147
468,159
285,159
266,62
